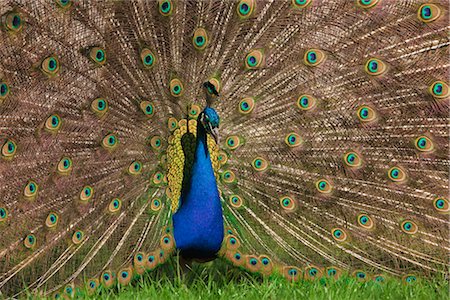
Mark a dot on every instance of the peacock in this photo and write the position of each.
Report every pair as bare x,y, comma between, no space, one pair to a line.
305,138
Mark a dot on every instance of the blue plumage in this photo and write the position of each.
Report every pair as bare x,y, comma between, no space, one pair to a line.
198,223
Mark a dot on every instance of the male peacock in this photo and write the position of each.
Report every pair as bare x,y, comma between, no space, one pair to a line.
334,156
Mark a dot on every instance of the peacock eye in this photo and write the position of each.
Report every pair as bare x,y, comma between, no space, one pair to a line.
200,39
254,59
115,205
99,106
232,142
172,123
379,278
228,176
156,204
313,57
50,66
135,168
339,234
147,58
366,114
64,3
98,55
30,241
352,159
13,22
245,8
360,275
306,102
9,149
52,220
367,3
441,205
375,67
53,123
86,193
110,141
288,203
4,90
424,144
439,90
3,214
365,221
397,174
235,201
246,105
147,108
31,189
301,3
293,140
323,186
176,87
156,142
428,12
64,166
77,237
333,272
409,227
165,7
409,279
259,164
194,111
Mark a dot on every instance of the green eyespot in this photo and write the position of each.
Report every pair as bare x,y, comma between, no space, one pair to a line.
409,227
441,205
293,140
165,7
366,114
301,3
13,21
156,204
228,176
235,201
339,234
65,166
52,220
147,108
194,111
30,241
375,67
259,164
9,149
156,142
125,276
50,66
232,142
313,272
147,58
135,168
352,159
115,205
110,142
86,193
367,3
53,123
288,203
292,273
439,90
360,275
99,106
77,237
428,12
200,39
65,4
313,57
176,87
397,174
254,59
157,178
424,144
333,272
107,279
323,186
172,124
4,90
3,214
365,221
31,189
306,102
245,8
409,279
98,55
246,105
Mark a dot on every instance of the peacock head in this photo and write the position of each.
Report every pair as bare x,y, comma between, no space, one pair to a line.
210,121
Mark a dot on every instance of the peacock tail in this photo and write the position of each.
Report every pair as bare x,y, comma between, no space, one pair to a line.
334,130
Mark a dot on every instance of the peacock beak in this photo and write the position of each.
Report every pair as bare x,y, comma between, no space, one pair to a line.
215,134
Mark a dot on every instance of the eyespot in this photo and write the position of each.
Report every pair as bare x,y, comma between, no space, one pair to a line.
31,189
172,123
246,105
86,193
313,57
232,142
288,203
339,234
439,90
228,176
379,278
110,142
333,272
147,108
252,263
167,242
235,201
135,168
424,144
53,123
50,65
115,205
366,114
139,260
409,227
301,3
375,67
291,273
306,102
99,106
65,166
293,140
360,275
245,8
68,290
365,221
254,59
125,276
222,157
440,204
92,285
367,3
13,21
148,58
260,164
64,3
30,241
194,111
52,220
165,7
156,204
4,90
107,279
200,39
3,214
312,272
323,186
176,87
152,260
428,12
352,159
156,142
397,174
232,242
77,237
98,55
9,149
157,177
409,279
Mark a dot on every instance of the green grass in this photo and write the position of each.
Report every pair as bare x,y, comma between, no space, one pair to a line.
218,280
